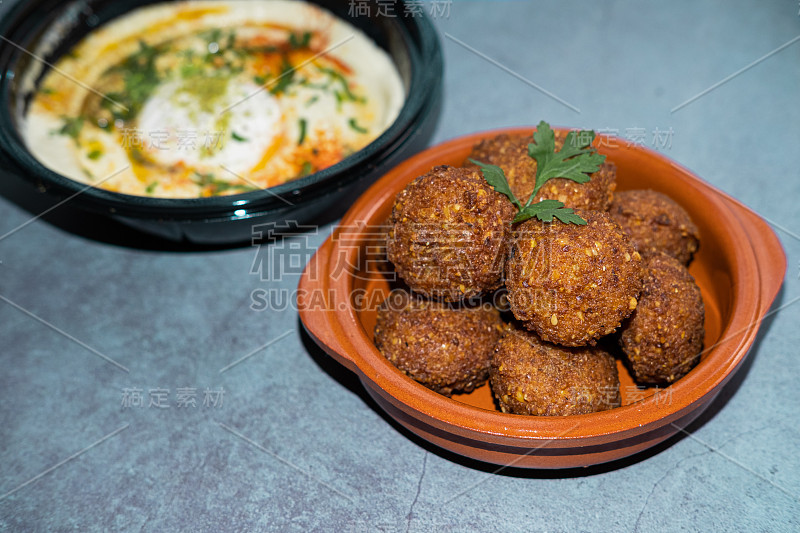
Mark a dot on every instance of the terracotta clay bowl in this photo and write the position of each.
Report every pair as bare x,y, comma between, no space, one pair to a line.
740,267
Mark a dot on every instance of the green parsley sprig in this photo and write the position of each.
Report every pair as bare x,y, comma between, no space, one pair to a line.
576,160
217,186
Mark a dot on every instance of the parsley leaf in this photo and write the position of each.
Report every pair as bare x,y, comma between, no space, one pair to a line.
495,177
546,210
576,160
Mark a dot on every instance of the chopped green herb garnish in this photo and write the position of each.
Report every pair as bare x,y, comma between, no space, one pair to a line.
301,41
266,49
284,79
213,35
140,77
354,125
218,186
236,137
307,169
261,80
71,128
303,125
345,94
576,160
138,156
151,187
312,100
190,70
94,154
323,86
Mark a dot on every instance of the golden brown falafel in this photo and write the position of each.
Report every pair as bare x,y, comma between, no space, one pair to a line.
656,223
572,284
448,234
664,336
532,377
446,348
510,152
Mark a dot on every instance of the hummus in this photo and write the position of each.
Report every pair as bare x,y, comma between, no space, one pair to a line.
195,99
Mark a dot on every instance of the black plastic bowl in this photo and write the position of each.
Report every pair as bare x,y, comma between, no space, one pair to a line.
36,25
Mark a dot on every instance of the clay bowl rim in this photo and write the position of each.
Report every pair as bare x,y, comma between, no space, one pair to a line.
689,393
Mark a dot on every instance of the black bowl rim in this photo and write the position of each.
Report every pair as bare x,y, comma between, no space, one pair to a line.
425,52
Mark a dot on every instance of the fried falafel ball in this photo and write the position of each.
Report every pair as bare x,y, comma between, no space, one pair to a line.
510,152
532,377
664,336
656,223
448,234
446,348
570,283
